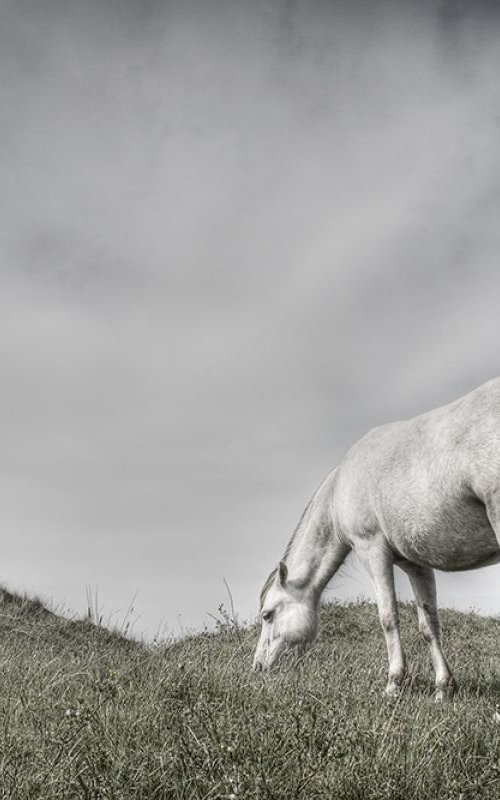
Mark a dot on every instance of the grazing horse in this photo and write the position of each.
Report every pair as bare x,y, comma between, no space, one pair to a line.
422,494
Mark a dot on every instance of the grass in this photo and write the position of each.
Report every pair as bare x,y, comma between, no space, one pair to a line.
86,713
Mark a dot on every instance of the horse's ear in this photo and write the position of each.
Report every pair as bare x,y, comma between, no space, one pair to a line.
282,573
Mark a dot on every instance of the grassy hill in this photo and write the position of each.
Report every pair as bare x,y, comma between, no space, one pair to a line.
85,713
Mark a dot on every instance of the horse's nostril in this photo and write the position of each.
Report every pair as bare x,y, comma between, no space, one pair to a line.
257,666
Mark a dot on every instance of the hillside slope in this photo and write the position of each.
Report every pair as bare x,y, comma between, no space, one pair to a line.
85,713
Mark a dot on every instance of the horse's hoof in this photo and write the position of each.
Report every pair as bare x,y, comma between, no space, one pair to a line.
393,689
445,691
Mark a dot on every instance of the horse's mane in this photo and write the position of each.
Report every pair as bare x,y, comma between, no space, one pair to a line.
267,584
271,576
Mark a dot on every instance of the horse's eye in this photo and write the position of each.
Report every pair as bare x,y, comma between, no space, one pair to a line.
267,616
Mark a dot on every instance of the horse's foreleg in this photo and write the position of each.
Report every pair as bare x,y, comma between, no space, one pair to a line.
424,588
379,564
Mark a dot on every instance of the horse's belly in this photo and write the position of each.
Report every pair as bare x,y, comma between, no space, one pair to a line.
456,538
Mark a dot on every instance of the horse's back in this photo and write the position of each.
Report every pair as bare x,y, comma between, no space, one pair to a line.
425,482
461,440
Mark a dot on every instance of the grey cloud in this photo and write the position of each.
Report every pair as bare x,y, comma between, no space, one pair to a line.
234,236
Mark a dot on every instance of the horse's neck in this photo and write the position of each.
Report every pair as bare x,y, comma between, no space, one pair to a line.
315,551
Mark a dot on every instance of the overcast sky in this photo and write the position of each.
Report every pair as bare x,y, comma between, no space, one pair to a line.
234,235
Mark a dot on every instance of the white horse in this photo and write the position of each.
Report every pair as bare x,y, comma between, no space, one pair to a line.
423,494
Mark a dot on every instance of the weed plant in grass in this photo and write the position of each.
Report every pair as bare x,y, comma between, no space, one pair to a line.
86,713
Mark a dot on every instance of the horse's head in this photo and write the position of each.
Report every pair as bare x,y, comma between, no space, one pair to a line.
289,618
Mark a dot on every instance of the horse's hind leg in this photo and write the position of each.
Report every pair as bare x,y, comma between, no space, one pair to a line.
492,504
424,588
